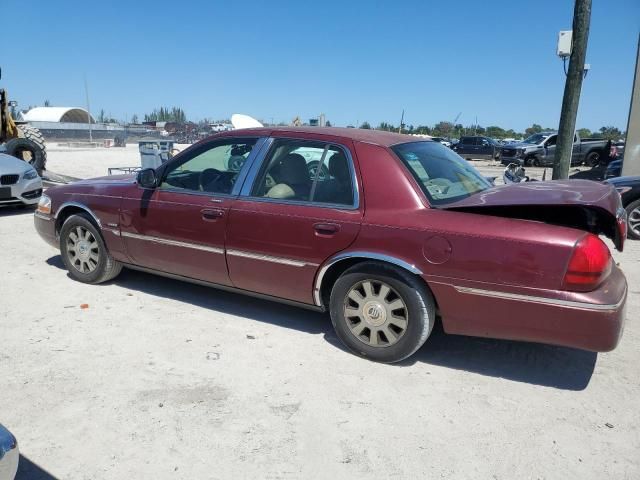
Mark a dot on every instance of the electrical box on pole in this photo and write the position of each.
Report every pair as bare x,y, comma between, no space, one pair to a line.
565,39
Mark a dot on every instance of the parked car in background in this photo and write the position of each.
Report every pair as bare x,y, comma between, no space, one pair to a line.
9,454
443,141
614,169
478,147
434,232
629,190
539,150
19,182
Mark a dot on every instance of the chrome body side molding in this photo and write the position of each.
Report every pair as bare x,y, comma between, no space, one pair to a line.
357,254
543,300
269,258
175,243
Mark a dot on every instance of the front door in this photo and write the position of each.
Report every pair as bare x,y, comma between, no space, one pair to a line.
179,227
293,217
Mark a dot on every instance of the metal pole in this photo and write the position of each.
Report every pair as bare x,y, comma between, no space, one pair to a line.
401,120
631,163
86,91
572,87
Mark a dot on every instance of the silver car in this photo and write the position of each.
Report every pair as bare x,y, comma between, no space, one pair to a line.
9,454
19,182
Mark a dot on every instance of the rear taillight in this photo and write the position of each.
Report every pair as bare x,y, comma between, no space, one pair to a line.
590,264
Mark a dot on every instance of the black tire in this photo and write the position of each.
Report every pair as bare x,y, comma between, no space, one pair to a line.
592,159
419,311
106,267
25,149
33,134
633,208
532,161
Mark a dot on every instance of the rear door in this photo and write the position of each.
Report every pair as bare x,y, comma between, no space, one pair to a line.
485,148
292,215
179,227
465,146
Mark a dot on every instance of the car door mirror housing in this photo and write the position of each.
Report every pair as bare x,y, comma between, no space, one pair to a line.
147,178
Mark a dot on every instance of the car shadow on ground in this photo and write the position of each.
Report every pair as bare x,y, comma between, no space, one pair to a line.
11,211
27,470
558,367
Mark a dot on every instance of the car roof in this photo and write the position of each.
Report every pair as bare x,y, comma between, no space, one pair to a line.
376,137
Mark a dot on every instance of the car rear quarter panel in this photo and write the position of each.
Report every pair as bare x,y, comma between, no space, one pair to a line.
459,249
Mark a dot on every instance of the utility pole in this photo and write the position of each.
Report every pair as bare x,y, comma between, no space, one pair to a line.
86,91
572,87
401,120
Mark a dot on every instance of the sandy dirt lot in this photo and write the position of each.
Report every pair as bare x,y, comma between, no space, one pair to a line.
161,379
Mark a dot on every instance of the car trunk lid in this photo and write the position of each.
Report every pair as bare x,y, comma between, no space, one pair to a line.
583,204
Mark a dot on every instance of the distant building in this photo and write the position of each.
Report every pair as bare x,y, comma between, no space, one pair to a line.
56,114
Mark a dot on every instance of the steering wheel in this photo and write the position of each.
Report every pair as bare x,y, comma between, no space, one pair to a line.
208,176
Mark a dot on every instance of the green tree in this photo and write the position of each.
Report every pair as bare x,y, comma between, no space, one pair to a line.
442,129
134,119
496,132
535,128
365,125
611,133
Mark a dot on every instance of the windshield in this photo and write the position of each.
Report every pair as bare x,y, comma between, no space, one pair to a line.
442,174
535,138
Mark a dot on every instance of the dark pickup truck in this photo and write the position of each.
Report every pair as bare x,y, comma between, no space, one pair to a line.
539,150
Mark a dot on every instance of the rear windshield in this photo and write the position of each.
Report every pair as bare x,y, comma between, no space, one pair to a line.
442,174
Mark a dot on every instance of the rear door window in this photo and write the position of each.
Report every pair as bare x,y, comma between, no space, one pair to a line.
306,171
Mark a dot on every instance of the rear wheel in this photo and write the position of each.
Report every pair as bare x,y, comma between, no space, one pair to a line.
84,252
633,220
381,312
593,159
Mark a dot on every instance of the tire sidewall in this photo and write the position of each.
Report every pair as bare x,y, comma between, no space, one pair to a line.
420,316
70,223
630,208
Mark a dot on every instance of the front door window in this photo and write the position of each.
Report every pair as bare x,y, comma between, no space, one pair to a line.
214,169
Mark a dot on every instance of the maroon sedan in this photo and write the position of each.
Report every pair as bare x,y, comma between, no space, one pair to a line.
382,230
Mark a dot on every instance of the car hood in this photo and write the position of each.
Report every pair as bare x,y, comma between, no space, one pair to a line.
124,178
12,165
518,145
591,206
629,181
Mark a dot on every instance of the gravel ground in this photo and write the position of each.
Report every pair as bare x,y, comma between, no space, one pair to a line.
159,379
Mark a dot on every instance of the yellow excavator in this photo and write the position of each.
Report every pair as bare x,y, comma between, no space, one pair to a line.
19,139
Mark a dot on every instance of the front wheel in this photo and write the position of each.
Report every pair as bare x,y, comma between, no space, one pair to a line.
381,312
84,252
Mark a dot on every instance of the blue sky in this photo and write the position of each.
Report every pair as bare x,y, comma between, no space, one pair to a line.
352,60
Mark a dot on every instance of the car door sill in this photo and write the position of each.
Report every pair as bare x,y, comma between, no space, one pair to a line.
227,288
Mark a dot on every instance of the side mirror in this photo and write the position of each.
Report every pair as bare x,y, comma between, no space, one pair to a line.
147,178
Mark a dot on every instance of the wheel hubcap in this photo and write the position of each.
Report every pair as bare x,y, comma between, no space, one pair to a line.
634,221
83,250
375,313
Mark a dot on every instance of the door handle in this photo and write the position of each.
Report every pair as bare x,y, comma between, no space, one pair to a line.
211,214
326,229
